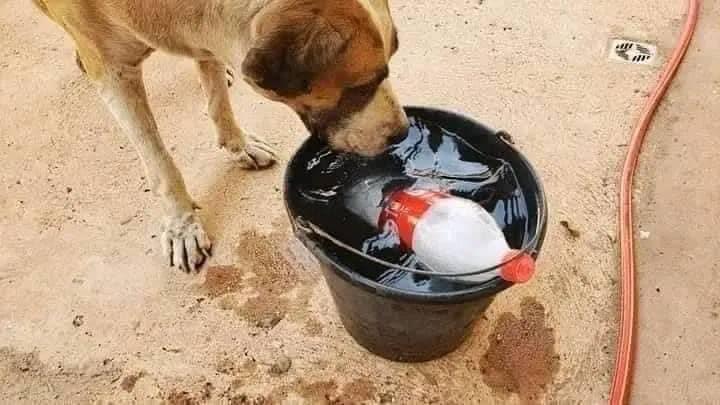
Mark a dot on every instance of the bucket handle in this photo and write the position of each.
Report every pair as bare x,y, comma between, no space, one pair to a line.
307,227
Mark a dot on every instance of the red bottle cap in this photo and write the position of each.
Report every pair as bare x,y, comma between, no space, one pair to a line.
520,269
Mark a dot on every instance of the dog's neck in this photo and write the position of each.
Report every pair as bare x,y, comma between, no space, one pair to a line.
234,30
225,27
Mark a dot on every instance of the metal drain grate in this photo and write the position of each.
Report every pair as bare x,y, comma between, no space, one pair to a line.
637,53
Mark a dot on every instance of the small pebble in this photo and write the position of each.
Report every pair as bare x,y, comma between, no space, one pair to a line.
78,321
269,323
281,366
570,229
387,398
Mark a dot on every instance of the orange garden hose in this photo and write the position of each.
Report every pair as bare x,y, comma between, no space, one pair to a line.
623,365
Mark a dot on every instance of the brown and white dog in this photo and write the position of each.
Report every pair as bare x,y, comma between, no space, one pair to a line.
326,59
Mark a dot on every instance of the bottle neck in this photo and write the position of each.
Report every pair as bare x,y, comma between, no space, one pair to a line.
365,199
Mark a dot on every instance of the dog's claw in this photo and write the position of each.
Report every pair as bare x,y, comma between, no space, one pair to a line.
230,76
197,257
206,251
252,153
185,243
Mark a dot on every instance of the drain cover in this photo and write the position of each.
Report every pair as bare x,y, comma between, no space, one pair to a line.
637,53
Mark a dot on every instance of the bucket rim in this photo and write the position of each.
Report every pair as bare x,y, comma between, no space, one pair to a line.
491,287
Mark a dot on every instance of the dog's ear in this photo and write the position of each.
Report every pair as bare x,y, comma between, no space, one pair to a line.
290,49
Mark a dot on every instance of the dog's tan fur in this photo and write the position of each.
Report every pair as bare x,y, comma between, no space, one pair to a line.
327,59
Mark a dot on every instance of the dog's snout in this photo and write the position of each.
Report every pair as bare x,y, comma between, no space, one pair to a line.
404,122
400,130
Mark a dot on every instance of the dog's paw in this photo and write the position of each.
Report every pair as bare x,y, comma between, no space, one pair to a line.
251,152
184,242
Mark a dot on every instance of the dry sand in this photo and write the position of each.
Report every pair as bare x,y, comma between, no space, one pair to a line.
90,313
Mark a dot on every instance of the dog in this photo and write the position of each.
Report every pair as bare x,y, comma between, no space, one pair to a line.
326,59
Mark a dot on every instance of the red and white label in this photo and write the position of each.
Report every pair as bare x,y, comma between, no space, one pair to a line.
404,209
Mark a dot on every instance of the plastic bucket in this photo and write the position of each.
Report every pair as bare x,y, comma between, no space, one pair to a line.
403,325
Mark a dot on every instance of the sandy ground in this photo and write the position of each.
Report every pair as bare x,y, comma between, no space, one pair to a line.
90,313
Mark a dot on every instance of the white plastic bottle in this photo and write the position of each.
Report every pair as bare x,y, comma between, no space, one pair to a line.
448,234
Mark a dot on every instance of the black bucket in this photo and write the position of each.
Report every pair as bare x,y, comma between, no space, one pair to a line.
403,325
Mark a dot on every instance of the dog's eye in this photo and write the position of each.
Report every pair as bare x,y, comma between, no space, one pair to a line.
374,83
362,94
367,87
359,95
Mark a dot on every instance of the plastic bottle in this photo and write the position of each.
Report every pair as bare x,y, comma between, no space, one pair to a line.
448,234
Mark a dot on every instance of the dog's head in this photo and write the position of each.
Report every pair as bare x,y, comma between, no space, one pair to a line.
328,60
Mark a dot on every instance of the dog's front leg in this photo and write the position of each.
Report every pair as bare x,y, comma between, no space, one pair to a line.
251,151
184,240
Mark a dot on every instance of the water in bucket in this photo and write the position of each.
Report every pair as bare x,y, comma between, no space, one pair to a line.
429,157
